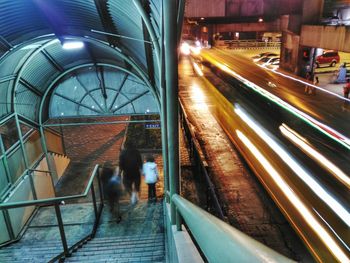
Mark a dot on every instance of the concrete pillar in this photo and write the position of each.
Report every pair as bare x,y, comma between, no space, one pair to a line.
312,11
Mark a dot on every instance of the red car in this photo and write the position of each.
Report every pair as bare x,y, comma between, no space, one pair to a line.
328,57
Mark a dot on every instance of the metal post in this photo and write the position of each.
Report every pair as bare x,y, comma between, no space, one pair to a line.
26,162
63,143
178,220
8,224
61,227
163,114
100,185
313,59
94,199
149,27
6,165
172,98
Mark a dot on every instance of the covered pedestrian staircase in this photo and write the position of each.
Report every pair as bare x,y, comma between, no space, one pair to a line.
107,59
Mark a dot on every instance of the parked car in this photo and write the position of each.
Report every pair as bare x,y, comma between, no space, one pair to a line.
329,57
274,65
265,54
266,60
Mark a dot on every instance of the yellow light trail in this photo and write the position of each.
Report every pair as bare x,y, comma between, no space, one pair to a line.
333,204
318,157
315,123
295,201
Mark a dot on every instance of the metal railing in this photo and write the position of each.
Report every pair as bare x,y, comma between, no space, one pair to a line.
197,158
56,202
220,242
247,44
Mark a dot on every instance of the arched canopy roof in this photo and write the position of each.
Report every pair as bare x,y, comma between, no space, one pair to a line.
119,33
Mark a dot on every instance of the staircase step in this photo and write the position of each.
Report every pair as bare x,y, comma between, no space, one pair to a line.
120,250
151,259
124,245
127,239
118,258
138,238
34,246
27,258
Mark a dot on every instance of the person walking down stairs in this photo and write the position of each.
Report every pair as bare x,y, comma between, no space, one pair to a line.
130,163
114,191
112,187
150,172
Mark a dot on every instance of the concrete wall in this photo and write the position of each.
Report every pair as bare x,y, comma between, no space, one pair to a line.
61,163
274,26
239,8
43,181
208,8
327,37
179,246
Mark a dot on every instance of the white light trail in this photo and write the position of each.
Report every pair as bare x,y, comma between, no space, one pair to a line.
295,201
198,69
318,157
298,170
315,123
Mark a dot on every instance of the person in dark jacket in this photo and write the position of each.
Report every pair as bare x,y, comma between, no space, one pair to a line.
112,189
106,174
130,163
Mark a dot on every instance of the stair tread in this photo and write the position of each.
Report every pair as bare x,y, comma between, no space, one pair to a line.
139,237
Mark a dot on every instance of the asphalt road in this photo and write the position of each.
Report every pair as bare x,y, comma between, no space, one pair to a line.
274,101
324,107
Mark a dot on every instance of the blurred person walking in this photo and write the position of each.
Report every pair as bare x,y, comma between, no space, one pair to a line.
106,174
346,88
316,83
114,191
307,89
112,186
130,163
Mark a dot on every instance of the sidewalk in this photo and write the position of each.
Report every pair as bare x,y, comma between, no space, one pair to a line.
326,74
326,80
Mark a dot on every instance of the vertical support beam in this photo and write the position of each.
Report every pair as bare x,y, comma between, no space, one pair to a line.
25,157
172,98
7,169
62,134
94,200
163,112
61,228
100,186
149,27
8,224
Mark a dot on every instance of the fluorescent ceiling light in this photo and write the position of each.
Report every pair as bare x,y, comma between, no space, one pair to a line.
72,44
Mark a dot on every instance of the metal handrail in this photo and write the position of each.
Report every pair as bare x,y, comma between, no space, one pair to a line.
231,245
51,201
196,150
56,202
